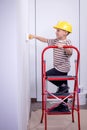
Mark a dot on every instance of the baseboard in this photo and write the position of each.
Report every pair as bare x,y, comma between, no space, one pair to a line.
33,100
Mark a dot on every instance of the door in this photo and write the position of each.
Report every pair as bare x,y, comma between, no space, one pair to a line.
48,13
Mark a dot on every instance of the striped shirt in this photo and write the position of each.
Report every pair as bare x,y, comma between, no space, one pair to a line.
60,59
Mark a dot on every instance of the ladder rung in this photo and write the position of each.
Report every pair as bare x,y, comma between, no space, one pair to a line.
69,77
60,95
58,113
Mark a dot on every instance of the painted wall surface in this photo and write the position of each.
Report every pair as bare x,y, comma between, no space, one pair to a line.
14,65
36,26
8,66
23,64
32,50
45,28
83,44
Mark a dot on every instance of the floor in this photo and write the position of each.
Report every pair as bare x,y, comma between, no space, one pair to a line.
56,122
38,105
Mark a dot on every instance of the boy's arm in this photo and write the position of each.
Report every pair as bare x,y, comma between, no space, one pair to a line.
68,51
42,39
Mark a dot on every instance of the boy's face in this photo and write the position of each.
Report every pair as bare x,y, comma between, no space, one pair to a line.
61,34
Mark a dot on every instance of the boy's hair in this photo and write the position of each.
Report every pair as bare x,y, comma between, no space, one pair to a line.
68,33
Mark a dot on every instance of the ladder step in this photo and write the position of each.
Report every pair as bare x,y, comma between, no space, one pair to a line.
61,109
58,113
69,77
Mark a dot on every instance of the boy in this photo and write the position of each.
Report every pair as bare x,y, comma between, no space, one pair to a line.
61,57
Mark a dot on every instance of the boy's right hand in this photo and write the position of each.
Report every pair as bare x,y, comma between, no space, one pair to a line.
42,39
30,36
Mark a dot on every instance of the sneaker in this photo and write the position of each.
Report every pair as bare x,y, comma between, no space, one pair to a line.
62,89
61,108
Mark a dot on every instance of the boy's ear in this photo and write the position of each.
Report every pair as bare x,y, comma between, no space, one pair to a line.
67,33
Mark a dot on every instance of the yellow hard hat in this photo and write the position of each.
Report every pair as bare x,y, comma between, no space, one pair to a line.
64,26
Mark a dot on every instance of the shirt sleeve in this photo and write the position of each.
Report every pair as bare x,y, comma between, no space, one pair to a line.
51,42
68,42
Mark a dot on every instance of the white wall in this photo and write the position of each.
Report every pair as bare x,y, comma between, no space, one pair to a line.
83,44
8,66
23,63
14,64
45,28
41,23
81,41
32,52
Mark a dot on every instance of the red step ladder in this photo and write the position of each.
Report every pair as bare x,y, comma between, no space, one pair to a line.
47,95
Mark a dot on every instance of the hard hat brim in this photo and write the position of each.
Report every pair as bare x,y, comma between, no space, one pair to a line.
55,27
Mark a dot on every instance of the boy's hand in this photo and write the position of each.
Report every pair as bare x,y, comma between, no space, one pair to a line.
42,39
30,36
59,45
